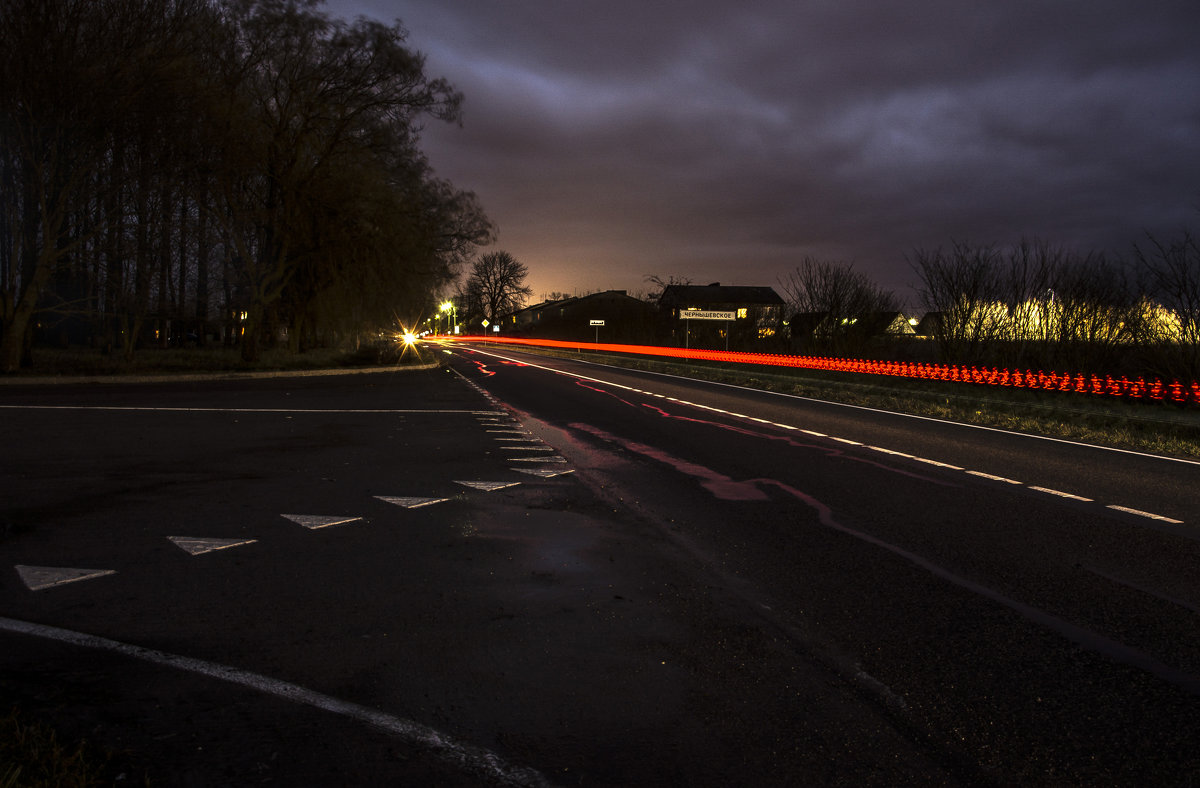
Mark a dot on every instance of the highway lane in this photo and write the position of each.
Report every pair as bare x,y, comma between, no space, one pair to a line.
1155,485
684,597
978,585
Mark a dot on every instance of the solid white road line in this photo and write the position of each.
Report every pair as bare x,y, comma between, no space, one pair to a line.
134,408
475,760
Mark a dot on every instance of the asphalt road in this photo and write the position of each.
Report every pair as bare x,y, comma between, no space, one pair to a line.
532,571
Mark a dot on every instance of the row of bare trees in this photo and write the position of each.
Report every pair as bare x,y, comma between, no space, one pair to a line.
172,166
1032,304
1043,306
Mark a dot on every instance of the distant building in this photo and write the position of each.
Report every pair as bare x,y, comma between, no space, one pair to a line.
818,332
806,327
888,324
757,315
626,319
931,324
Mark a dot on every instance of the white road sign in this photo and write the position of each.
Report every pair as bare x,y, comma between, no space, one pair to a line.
705,314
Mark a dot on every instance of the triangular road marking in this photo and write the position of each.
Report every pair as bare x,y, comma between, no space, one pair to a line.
318,521
38,577
545,473
536,459
487,486
410,503
197,546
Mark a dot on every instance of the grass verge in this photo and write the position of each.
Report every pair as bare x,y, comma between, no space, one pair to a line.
31,756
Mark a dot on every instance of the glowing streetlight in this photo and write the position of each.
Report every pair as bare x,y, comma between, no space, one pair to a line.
448,306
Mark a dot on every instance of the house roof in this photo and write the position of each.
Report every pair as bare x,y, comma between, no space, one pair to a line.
607,297
718,294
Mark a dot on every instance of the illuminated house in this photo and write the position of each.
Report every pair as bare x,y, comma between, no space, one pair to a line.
757,314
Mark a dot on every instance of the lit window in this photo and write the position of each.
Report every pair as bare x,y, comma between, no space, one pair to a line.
743,313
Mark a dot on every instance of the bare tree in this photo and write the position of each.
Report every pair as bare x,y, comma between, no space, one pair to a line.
1172,271
963,287
837,301
314,104
73,76
660,284
1091,313
496,285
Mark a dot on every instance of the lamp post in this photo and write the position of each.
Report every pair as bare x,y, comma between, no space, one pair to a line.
451,311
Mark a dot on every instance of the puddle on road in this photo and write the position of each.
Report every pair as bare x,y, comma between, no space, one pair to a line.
541,541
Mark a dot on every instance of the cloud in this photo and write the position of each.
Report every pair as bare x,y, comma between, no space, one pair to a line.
724,142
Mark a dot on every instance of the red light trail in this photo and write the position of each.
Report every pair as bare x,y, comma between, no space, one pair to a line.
1075,383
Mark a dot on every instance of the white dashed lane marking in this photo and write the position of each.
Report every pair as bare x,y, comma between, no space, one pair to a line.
487,486
199,546
889,451
1060,494
1140,513
319,521
410,503
504,429
983,475
945,465
37,578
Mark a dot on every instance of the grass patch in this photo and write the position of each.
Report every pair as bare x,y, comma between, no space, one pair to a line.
1157,428
31,756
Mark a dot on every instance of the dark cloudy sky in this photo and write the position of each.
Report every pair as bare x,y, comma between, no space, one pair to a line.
723,141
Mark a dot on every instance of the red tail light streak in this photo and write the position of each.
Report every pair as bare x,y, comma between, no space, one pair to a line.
1137,389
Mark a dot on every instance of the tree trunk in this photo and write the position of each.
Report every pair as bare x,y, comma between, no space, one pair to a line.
201,276
251,329
15,333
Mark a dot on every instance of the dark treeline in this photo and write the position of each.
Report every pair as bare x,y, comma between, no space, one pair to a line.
188,170
1032,305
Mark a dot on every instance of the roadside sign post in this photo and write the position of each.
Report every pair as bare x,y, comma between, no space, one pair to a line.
596,324
706,314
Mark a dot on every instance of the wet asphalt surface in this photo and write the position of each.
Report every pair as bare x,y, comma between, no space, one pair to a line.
569,586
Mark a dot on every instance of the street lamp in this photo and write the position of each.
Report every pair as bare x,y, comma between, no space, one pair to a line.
448,307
